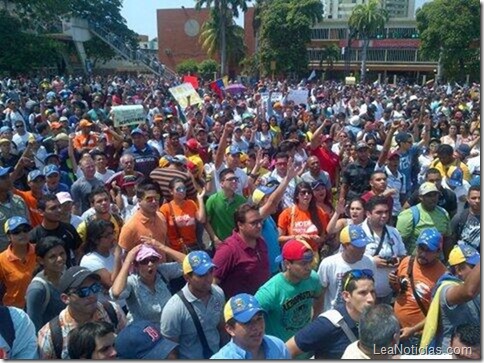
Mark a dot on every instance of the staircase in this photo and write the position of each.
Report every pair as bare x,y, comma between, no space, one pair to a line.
130,54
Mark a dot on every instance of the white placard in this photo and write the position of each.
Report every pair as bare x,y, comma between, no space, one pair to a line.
181,93
128,115
298,96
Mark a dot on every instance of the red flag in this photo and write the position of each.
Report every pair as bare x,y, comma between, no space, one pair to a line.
191,79
218,87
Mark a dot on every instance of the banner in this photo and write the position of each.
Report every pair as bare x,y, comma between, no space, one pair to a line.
191,79
298,96
128,115
181,93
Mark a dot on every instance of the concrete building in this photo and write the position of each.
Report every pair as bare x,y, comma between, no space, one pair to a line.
341,9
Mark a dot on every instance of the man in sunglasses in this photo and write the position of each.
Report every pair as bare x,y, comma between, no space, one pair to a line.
330,333
79,288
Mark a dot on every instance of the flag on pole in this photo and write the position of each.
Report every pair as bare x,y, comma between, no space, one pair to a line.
312,75
218,87
191,79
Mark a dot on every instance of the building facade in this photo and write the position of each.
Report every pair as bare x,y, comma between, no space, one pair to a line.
341,9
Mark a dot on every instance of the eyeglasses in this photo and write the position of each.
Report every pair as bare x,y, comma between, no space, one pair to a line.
233,179
255,223
152,199
88,291
21,229
282,163
148,260
304,192
357,274
181,189
19,126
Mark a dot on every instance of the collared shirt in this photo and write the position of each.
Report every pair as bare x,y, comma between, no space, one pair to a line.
140,225
241,268
177,323
145,160
25,343
324,338
67,324
16,275
274,348
220,212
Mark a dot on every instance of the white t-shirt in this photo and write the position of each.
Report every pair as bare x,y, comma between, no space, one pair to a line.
104,177
460,194
239,173
331,271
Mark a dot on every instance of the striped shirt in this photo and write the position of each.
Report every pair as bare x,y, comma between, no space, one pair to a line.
163,176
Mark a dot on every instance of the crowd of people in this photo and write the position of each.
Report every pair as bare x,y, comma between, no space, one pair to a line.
248,226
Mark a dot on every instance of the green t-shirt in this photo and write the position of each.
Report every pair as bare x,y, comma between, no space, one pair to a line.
438,218
220,211
288,306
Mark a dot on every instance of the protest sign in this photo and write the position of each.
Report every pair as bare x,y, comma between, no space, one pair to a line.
298,96
275,96
128,115
181,93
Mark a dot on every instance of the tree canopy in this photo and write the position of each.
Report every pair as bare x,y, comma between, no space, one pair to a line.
451,29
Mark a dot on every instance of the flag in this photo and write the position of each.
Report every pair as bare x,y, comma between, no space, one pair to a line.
218,87
191,79
312,75
225,80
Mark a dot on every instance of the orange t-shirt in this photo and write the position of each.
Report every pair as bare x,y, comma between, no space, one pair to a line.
138,226
31,201
406,308
185,223
300,223
16,275
80,141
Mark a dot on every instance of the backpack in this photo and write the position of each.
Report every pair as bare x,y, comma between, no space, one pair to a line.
7,329
56,330
45,284
416,214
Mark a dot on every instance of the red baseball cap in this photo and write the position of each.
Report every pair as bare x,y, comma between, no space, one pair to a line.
294,250
193,144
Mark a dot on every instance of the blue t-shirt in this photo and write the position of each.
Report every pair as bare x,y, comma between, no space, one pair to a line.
274,348
405,167
270,234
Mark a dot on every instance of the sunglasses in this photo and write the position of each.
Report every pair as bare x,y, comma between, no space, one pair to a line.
152,199
19,126
21,229
233,179
304,192
181,189
148,260
88,291
357,274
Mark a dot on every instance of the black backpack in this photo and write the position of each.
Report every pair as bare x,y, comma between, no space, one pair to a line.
56,330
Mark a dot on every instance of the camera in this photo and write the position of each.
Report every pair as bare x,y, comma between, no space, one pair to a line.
403,282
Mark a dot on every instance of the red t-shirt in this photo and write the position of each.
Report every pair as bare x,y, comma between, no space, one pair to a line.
329,162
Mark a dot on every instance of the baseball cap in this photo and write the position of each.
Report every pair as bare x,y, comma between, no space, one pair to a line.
431,238
50,169
64,197
142,340
242,308
463,252
85,123
61,137
128,180
138,131
199,129
73,277
50,155
402,137
233,150
56,125
317,183
5,129
295,250
464,150
455,176
146,251
4,141
198,262
355,235
5,171
14,223
427,188
192,144
34,174
63,119
262,191
393,154
361,145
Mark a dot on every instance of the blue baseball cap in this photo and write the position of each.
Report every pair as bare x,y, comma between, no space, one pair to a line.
34,174
463,252
15,222
5,129
242,308
198,262
137,131
355,235
233,150
263,190
51,169
455,177
5,171
431,238
142,340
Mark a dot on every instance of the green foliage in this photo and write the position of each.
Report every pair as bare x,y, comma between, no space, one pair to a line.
187,66
250,65
450,27
285,30
207,68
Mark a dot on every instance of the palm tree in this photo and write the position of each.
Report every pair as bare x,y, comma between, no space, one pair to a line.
366,20
330,55
234,35
224,8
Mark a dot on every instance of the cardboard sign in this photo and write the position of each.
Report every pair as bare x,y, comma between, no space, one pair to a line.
350,80
298,96
182,91
128,115
275,96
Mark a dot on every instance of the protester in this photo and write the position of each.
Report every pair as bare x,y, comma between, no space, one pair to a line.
92,340
18,340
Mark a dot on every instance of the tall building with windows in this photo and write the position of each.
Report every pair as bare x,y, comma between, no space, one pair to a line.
341,9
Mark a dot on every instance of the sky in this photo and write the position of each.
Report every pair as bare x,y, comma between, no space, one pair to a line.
142,18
